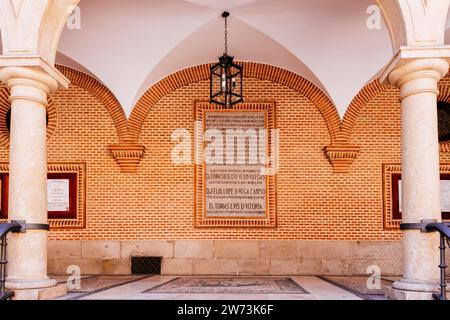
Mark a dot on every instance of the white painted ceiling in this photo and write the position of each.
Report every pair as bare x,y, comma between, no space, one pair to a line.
130,45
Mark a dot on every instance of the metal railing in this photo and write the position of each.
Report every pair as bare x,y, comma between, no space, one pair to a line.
444,231
5,229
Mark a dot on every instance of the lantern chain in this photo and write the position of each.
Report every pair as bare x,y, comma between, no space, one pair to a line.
226,36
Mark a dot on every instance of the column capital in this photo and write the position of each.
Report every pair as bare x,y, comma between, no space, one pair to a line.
430,68
412,63
32,71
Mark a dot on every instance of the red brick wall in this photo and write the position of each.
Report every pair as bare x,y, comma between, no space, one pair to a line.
157,203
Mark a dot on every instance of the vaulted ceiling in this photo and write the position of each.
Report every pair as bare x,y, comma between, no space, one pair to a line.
130,45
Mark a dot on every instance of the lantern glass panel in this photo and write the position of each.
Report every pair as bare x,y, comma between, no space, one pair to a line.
226,83
217,94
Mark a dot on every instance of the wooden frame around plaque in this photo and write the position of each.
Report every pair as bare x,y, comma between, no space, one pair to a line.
201,219
71,211
75,217
4,183
392,217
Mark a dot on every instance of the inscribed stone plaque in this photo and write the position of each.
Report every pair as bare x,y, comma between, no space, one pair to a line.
236,187
58,195
235,179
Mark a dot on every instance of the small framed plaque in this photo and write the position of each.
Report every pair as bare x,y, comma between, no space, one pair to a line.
392,195
58,195
4,196
62,195
66,187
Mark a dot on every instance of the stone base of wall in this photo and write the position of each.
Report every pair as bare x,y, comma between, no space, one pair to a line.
239,258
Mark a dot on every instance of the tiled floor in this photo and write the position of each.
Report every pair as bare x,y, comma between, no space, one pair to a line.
139,288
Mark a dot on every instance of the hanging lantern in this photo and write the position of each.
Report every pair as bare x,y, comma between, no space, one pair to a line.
226,77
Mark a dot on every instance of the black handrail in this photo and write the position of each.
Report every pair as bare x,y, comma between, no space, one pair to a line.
5,229
444,231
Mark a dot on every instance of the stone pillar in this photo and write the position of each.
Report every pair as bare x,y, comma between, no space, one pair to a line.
27,252
418,82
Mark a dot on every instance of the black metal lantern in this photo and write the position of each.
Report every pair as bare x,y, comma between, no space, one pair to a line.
226,77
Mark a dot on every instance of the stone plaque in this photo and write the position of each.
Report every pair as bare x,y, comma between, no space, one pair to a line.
232,187
66,195
237,187
58,196
445,195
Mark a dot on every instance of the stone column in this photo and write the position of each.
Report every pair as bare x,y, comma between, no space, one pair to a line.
418,82
27,252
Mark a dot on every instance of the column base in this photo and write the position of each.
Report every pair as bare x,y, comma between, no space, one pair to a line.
19,284
393,293
43,289
48,293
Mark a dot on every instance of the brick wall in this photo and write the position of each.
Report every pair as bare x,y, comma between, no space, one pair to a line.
157,203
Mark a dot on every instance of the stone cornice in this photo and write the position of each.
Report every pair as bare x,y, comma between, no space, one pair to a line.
32,67
421,55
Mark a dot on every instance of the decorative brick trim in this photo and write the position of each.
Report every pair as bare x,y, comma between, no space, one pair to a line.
80,170
368,93
5,105
388,222
389,170
102,93
251,70
342,157
445,146
444,95
342,154
81,80
128,156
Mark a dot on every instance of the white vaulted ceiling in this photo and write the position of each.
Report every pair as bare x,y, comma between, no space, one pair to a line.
130,45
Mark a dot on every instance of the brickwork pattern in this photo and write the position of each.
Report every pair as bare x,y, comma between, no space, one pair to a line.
157,202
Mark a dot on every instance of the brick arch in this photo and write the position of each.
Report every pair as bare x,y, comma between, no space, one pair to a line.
358,103
102,93
5,105
251,70
369,92
81,80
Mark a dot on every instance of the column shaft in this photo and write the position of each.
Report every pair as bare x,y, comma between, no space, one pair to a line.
28,184
27,252
418,83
